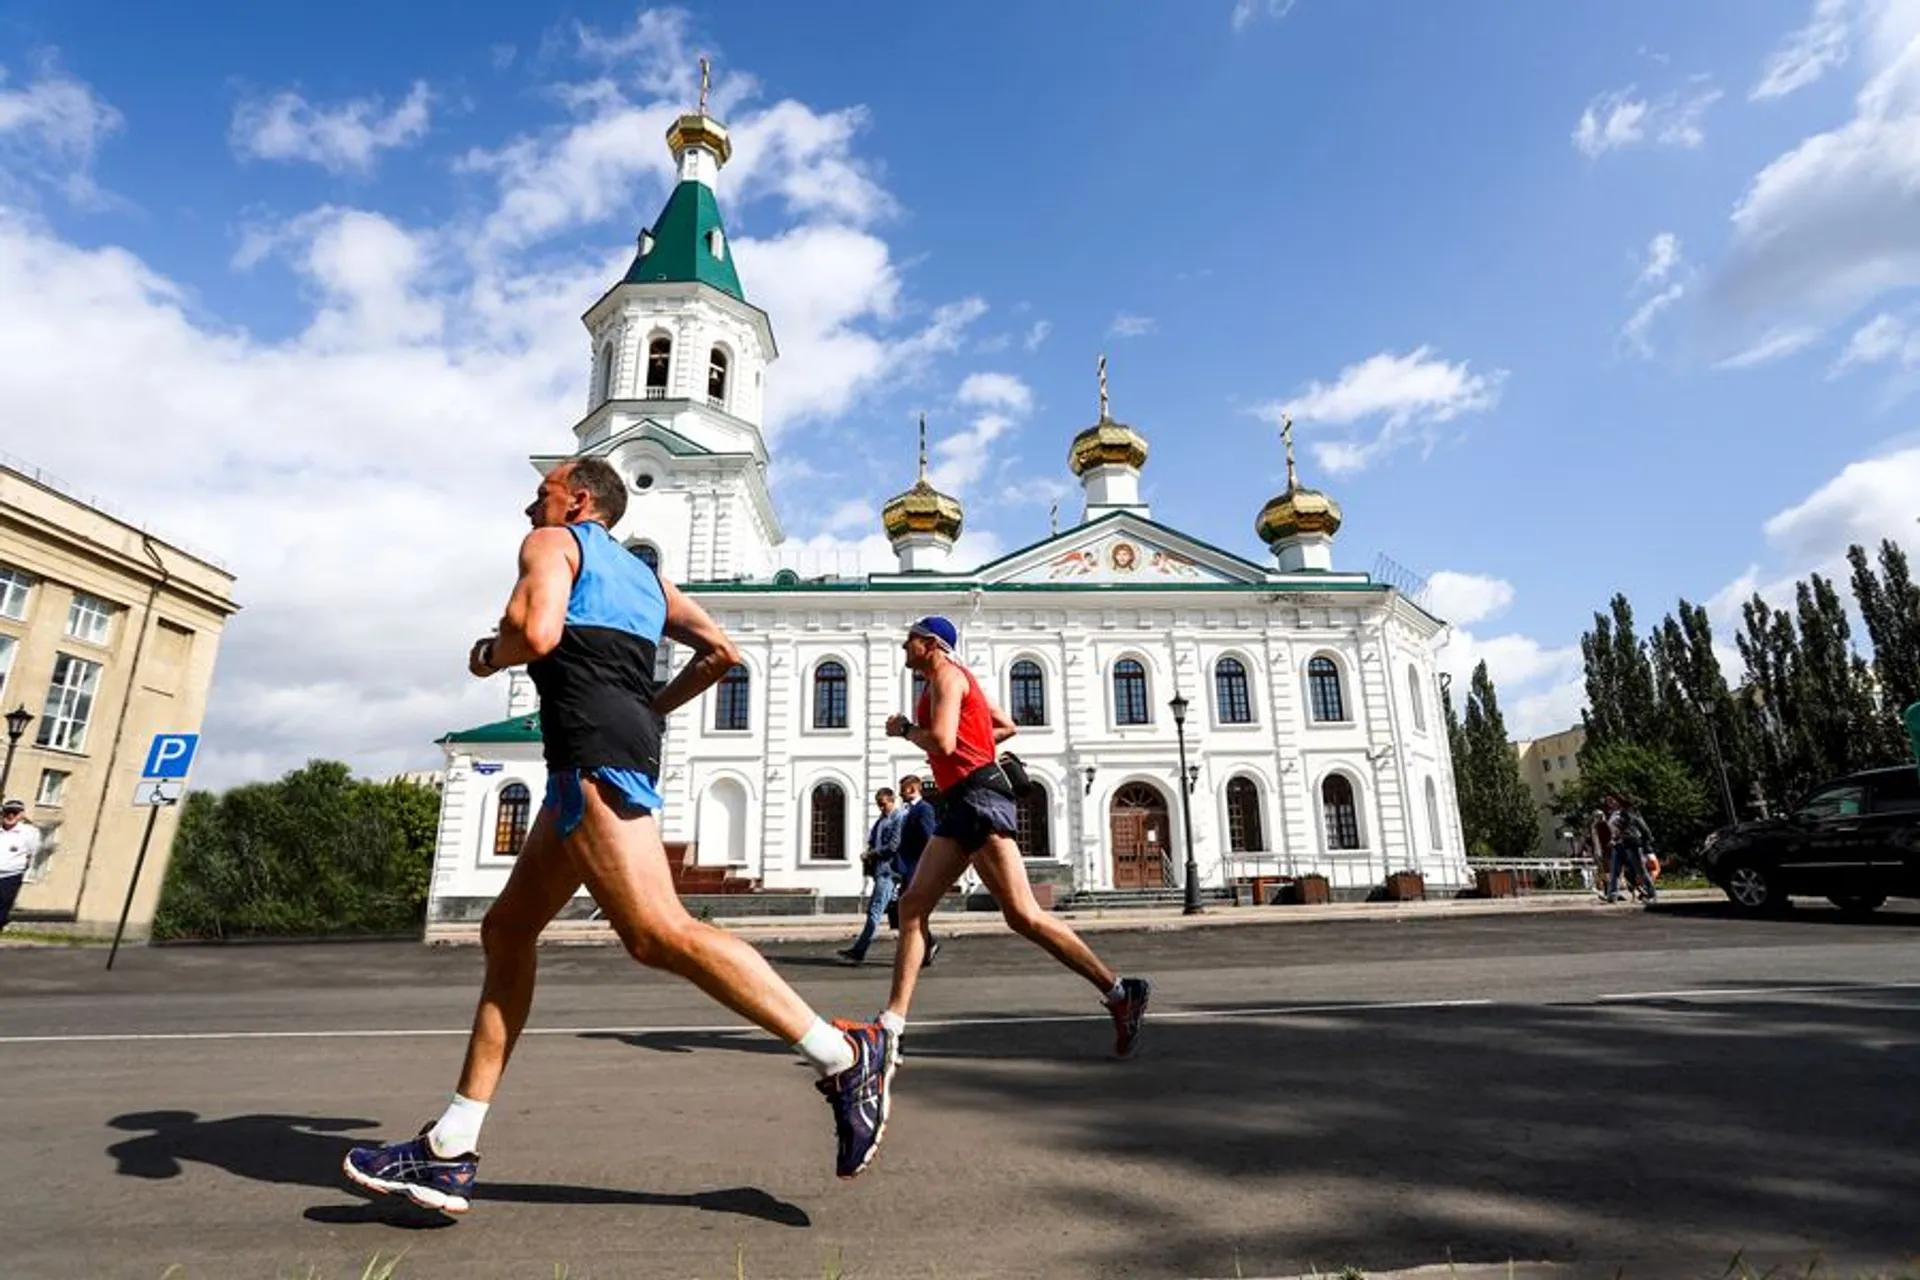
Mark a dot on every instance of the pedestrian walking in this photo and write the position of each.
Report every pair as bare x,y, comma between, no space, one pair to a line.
19,845
883,842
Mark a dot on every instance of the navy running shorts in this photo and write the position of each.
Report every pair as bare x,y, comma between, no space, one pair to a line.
973,815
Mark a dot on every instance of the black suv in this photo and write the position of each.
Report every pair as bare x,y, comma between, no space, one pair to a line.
1854,841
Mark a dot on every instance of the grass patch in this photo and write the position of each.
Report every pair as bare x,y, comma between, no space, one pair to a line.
54,938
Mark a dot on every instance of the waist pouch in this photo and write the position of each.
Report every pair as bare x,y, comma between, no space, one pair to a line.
988,777
1016,770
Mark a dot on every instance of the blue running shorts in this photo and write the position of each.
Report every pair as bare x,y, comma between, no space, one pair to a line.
567,796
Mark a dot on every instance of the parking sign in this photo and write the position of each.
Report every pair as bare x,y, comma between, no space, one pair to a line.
170,755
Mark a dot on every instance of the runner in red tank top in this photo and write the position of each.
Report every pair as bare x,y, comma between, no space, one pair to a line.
961,730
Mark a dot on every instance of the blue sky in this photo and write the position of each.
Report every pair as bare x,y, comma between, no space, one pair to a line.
1564,299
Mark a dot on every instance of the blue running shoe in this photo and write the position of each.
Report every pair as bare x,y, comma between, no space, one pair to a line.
860,1096
411,1169
1129,1012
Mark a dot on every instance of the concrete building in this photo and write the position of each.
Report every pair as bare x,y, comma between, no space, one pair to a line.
1549,764
1314,735
107,637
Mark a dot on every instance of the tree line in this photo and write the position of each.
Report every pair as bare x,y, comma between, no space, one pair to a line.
1666,726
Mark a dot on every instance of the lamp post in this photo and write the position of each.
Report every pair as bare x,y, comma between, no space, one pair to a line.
17,721
1179,708
1713,742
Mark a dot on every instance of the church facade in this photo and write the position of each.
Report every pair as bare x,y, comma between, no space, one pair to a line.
1305,699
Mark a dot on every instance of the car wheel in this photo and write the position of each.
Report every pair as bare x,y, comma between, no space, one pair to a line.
1858,904
1753,888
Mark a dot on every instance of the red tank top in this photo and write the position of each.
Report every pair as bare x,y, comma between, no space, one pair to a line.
973,743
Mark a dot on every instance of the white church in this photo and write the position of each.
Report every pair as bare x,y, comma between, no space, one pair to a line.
1313,731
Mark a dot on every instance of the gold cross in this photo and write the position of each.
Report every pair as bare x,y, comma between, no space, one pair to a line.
923,448
705,80
1286,436
1103,386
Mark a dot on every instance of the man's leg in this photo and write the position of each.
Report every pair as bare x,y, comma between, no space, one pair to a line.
9,890
940,867
877,904
1005,876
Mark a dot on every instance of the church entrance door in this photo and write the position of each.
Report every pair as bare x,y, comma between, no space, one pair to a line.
1139,827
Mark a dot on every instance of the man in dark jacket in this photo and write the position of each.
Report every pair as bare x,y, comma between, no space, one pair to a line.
916,829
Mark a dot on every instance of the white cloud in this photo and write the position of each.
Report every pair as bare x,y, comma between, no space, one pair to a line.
1405,392
1128,325
51,128
1038,334
1775,344
1531,678
1884,338
1466,598
1245,12
345,138
998,390
1867,501
1620,119
1807,54
503,56
1634,332
1663,255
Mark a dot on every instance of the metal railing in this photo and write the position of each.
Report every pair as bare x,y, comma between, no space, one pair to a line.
1542,875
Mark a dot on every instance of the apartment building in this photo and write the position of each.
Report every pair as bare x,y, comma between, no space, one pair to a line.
1549,764
107,636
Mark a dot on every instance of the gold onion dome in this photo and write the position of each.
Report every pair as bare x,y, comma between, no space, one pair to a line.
1107,443
698,129
922,509
1299,510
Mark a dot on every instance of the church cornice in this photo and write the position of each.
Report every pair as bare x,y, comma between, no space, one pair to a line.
607,307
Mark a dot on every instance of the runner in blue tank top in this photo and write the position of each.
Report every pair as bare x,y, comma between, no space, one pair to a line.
586,619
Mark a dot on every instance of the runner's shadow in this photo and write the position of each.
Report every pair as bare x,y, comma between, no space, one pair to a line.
298,1150
747,1202
742,1041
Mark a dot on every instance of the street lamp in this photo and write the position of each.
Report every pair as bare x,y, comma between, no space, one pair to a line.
1089,771
1713,741
17,721
1179,708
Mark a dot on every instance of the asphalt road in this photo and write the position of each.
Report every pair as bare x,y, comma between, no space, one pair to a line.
1638,1094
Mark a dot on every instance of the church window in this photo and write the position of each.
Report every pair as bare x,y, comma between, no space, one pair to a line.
830,696
1243,817
717,378
1433,815
1233,703
603,384
510,822
1323,691
730,700
1342,815
1416,701
659,358
827,824
717,243
1130,693
1029,690
1034,830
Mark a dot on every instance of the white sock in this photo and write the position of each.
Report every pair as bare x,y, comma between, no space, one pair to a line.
458,1131
893,1022
1118,993
826,1047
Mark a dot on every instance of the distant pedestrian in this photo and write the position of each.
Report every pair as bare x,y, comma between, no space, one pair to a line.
19,843
883,840
1632,841
919,821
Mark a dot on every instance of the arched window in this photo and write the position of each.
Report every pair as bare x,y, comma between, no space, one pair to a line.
1341,813
1433,815
717,378
647,554
1416,701
603,384
1231,701
827,829
730,699
1323,690
829,696
918,691
1029,690
1130,693
510,823
659,358
1035,811
1243,817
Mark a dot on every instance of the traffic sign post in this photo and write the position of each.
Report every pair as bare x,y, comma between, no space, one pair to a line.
162,783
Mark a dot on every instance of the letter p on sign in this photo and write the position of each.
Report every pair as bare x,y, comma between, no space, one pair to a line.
170,755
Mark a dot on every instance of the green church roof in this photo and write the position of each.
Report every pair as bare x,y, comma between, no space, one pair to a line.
682,249
518,729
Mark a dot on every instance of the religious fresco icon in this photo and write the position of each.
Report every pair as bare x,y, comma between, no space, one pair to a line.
1124,557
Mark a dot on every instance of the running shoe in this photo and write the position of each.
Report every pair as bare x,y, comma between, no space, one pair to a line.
926,961
1129,1011
411,1169
860,1096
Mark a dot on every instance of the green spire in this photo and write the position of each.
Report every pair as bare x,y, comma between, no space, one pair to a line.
680,247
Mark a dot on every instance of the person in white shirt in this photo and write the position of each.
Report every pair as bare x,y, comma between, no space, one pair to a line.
19,841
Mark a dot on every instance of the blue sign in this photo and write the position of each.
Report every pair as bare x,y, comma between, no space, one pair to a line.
170,755
486,768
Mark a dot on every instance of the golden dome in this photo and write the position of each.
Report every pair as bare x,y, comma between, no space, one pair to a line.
1295,512
1107,444
922,509
698,129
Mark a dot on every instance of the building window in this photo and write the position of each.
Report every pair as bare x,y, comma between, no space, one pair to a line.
1029,690
603,385
1034,828
510,823
1563,764
1323,691
648,554
827,830
1342,814
7,645
919,694
829,696
1546,764
15,586
1243,817
63,725
659,358
1130,693
717,243
1414,699
1232,704
1434,828
89,618
730,700
53,788
717,378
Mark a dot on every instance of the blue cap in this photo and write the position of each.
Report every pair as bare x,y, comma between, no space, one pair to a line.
937,629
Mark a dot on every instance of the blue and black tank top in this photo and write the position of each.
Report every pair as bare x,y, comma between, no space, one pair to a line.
597,686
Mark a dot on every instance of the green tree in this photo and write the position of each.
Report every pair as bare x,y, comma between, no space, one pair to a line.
1890,607
1505,823
1783,750
1835,689
1670,797
1704,726
1622,702
1460,748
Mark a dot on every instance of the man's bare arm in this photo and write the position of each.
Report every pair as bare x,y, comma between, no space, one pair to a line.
1003,727
537,610
714,653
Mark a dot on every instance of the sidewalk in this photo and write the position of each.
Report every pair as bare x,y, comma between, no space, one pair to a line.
1158,919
